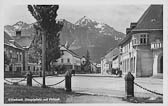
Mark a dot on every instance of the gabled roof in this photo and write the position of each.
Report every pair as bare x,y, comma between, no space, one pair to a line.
69,51
8,40
128,37
115,57
25,41
152,19
111,54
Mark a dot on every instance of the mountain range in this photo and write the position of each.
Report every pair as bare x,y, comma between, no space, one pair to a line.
85,34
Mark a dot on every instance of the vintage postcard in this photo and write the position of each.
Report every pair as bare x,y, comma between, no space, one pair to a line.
86,52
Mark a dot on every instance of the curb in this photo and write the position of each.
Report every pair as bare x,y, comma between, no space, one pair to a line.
112,76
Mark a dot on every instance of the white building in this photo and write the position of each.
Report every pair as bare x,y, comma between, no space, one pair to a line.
106,63
142,49
69,59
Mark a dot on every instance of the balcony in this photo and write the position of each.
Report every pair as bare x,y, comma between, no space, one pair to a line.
156,45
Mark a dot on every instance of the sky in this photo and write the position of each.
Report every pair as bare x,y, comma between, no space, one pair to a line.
117,16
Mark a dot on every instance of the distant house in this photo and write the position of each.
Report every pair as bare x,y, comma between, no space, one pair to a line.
68,59
116,58
110,61
93,67
98,68
106,62
141,51
15,53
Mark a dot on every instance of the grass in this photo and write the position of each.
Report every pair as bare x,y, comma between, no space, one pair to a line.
25,94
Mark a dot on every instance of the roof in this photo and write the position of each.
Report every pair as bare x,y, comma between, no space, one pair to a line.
69,51
115,57
128,37
25,41
109,56
116,51
152,19
8,40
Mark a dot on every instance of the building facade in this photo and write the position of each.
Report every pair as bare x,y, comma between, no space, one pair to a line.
69,59
141,52
14,53
106,63
110,61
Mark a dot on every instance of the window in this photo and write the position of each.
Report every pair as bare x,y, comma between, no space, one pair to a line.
28,67
18,68
68,60
62,52
20,56
121,49
144,39
10,53
62,60
134,41
10,68
17,57
140,38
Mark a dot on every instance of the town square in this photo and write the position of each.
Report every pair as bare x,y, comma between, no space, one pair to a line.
64,53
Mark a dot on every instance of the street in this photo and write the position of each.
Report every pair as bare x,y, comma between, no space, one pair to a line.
106,86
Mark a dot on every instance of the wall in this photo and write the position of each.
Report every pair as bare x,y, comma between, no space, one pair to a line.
16,58
116,63
16,64
65,57
74,62
144,66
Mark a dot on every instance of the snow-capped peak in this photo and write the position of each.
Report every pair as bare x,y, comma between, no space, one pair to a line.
100,25
84,21
20,22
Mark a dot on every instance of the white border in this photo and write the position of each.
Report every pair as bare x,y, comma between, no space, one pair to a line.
87,2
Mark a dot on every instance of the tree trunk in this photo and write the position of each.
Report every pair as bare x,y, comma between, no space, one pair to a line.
44,56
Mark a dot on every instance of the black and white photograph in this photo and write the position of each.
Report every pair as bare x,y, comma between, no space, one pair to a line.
84,52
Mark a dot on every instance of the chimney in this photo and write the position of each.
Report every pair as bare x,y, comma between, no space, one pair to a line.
128,30
133,25
18,33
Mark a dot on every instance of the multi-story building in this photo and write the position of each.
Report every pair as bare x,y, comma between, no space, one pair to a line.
106,63
15,53
69,59
24,41
141,52
110,61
